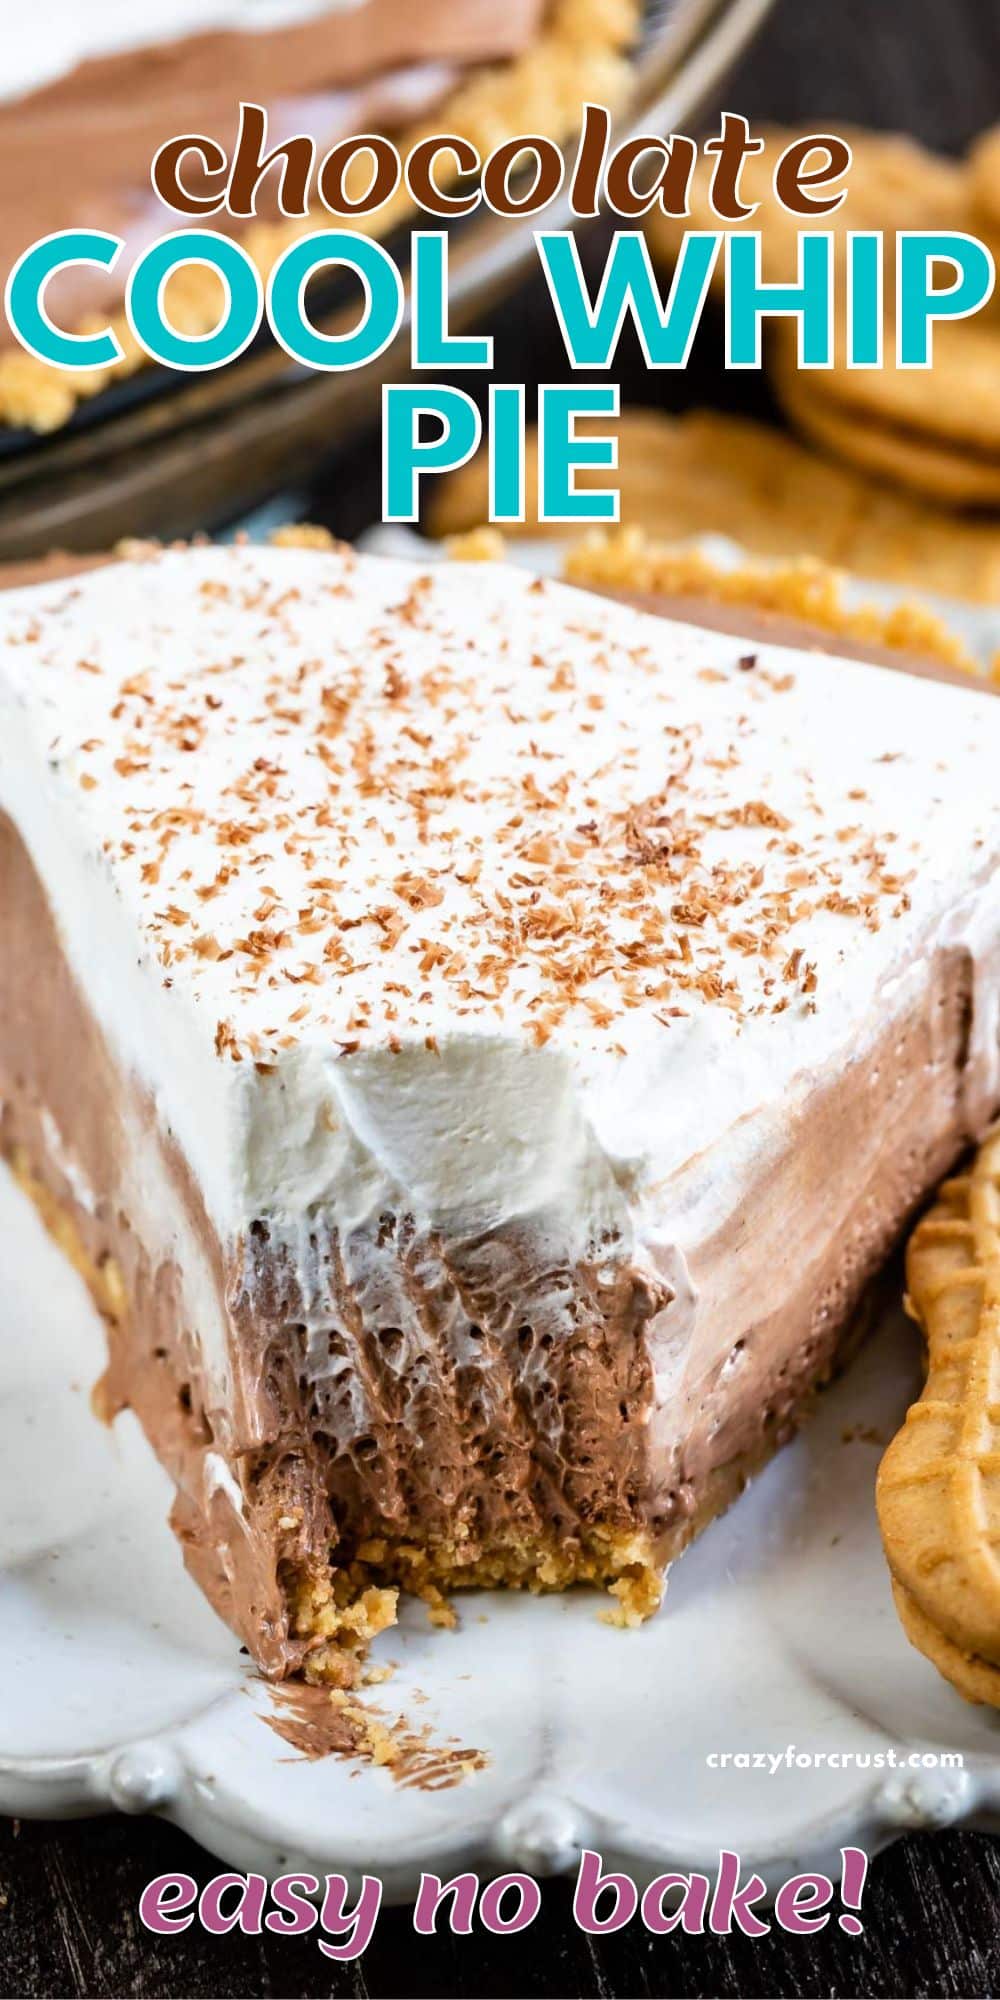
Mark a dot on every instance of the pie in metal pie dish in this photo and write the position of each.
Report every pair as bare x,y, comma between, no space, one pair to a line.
465,67
938,1482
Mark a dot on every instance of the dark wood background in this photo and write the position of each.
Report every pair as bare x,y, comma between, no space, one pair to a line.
68,1893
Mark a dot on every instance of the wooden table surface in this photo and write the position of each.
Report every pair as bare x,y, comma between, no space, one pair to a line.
68,1893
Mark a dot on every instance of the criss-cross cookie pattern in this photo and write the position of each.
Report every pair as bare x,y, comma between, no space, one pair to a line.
975,1678
938,1492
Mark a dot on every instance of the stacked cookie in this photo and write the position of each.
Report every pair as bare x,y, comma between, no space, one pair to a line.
581,53
938,1492
935,433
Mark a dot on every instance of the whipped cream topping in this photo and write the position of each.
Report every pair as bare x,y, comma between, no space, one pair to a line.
474,892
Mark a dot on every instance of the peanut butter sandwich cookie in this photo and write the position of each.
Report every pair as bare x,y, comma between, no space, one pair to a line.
935,431
938,1491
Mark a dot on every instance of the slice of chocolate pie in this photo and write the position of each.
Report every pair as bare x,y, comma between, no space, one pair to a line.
478,1041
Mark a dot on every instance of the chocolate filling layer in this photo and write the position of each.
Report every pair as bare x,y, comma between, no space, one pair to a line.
500,1421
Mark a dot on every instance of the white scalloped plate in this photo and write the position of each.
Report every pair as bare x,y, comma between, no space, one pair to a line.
119,1687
